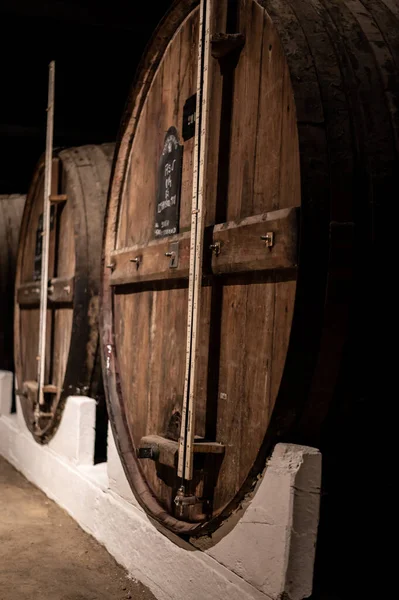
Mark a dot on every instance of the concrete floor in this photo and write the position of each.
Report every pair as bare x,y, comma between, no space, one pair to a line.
45,555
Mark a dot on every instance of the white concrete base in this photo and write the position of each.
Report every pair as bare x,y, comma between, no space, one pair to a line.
266,551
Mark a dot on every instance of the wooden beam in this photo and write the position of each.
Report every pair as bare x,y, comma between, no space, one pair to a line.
28,294
50,389
151,262
237,246
244,245
60,291
165,451
58,198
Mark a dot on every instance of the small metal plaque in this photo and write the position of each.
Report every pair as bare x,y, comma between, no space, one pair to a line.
174,255
169,185
189,115
37,265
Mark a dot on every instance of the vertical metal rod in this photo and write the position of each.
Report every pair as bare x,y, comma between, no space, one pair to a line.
186,441
46,235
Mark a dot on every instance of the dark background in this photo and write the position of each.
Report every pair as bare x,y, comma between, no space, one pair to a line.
96,47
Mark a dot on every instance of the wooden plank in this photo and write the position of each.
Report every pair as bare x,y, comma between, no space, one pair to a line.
140,188
256,403
64,269
151,264
50,389
28,294
244,123
58,198
289,195
60,291
188,86
231,389
166,450
242,249
272,114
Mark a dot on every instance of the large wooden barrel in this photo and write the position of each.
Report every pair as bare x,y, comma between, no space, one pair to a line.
302,151
79,188
11,209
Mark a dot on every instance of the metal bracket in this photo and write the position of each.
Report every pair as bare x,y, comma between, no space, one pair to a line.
268,239
215,247
136,260
182,500
173,254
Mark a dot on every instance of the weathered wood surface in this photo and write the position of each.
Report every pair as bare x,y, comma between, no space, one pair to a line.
60,290
240,249
302,143
79,187
166,450
11,209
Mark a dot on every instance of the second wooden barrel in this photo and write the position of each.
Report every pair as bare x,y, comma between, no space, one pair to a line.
301,149
11,209
79,189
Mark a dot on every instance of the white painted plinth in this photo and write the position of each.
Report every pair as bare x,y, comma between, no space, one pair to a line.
265,551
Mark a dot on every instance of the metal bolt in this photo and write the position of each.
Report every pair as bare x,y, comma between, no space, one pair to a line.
136,260
215,248
268,239
169,254
111,266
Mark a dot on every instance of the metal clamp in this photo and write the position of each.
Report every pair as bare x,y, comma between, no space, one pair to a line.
268,239
215,247
173,254
136,260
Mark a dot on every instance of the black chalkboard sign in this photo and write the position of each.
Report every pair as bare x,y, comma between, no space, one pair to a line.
167,210
37,268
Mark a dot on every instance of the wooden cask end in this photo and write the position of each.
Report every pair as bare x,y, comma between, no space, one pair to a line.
11,209
302,151
79,187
